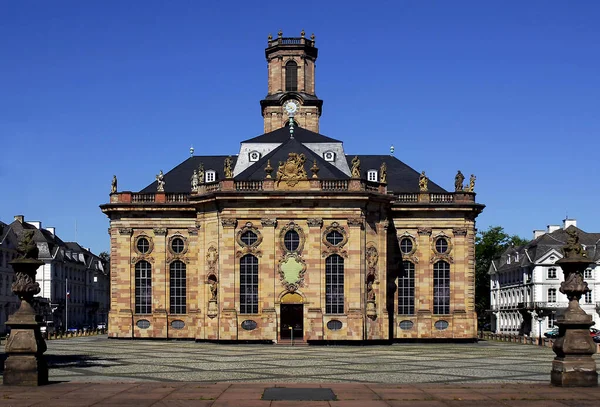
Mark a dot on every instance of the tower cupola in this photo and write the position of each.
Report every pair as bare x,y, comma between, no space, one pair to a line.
291,66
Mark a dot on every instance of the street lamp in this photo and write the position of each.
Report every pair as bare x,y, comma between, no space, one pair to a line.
540,318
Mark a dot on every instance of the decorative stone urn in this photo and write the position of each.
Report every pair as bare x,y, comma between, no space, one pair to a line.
25,364
573,364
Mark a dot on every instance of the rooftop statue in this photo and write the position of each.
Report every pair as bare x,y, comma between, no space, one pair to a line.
355,167
423,182
160,181
471,187
227,167
458,181
113,186
383,173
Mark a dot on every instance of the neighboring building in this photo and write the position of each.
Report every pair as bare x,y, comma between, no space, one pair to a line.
525,282
9,302
67,266
292,236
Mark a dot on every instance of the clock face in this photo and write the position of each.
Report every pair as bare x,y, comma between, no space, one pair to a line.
290,107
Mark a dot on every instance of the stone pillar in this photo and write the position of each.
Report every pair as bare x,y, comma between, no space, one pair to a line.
25,364
573,364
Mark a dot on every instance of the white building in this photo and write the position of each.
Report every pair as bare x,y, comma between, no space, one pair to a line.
525,282
9,302
67,267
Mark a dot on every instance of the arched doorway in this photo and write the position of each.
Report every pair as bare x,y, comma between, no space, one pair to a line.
291,316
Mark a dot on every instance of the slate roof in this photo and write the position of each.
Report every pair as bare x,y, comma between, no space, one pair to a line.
400,177
179,179
282,134
534,251
257,170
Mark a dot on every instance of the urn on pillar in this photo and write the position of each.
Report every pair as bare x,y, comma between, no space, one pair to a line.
25,364
573,364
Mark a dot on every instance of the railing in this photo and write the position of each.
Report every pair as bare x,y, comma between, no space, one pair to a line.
444,198
248,185
408,197
177,197
135,198
290,40
542,305
334,185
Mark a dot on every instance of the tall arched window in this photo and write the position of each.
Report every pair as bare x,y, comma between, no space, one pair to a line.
143,287
334,284
178,284
249,284
291,76
441,288
406,289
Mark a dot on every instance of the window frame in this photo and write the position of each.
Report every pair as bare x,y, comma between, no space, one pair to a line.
406,289
210,176
441,288
372,175
178,287
291,76
334,284
143,287
248,289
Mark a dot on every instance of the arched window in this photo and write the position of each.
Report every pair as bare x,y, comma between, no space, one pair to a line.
441,288
406,289
334,284
249,284
143,287
291,76
178,284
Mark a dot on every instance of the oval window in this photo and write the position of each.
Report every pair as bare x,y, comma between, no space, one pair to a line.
249,325
441,245
177,324
334,237
291,240
406,245
177,244
143,324
441,325
142,245
249,238
406,325
334,325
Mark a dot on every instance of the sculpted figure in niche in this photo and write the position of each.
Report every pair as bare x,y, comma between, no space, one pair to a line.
213,289
227,167
113,186
423,182
160,182
458,181
355,167
370,292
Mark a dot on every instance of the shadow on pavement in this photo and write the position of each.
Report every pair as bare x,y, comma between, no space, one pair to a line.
59,361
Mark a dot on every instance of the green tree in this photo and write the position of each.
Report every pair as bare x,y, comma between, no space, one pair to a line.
489,244
105,256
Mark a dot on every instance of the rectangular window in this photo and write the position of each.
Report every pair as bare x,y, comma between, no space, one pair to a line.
551,294
588,297
587,273
551,320
552,272
143,287
406,289
441,288
249,284
177,280
334,284
210,176
372,175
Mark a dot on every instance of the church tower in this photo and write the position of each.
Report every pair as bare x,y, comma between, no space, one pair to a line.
291,65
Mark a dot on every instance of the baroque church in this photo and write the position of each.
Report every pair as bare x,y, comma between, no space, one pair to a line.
290,237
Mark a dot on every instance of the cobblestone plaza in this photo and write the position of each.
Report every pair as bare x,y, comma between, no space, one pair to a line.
98,359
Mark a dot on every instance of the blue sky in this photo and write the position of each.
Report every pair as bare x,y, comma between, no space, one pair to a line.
509,91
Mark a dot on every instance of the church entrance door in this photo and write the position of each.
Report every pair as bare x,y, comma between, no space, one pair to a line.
292,316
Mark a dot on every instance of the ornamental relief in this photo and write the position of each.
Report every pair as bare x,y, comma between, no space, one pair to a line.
292,171
292,269
437,257
248,227
248,250
212,256
184,259
149,259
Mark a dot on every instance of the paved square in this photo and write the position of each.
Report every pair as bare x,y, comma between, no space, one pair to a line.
98,359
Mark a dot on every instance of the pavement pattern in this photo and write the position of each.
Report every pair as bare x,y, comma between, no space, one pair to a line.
98,359
95,371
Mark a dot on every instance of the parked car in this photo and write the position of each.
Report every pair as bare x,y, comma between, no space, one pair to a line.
596,338
102,325
594,332
553,333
